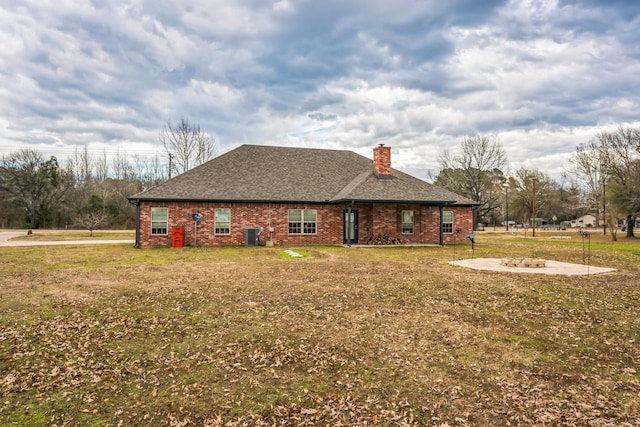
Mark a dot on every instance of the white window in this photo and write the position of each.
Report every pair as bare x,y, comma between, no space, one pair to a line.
159,220
223,221
447,221
407,222
303,221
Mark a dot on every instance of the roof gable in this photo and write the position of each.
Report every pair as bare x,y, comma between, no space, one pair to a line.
284,174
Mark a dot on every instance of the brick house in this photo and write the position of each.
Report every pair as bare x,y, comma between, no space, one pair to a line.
296,196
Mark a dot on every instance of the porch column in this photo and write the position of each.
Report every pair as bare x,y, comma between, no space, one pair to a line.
348,230
137,205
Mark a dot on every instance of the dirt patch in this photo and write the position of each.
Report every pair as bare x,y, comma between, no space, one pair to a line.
550,267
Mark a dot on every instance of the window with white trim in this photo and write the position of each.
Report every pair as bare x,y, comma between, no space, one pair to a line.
159,220
407,222
303,221
447,221
222,221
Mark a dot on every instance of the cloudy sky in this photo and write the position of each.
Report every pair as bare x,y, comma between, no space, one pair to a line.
541,75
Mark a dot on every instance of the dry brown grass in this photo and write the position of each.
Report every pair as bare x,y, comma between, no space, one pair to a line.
387,336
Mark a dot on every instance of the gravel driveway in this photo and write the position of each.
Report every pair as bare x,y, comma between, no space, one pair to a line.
6,236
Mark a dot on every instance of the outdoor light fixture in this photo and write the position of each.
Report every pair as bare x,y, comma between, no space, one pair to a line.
197,217
471,237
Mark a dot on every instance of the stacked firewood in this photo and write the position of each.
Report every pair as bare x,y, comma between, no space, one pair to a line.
383,239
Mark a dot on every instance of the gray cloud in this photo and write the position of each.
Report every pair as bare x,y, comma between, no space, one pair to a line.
542,76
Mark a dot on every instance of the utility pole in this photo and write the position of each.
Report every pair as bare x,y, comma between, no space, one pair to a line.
506,199
604,205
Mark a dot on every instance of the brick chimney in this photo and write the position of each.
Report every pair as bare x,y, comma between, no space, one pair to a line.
382,160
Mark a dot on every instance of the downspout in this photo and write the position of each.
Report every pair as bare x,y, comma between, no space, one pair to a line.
270,241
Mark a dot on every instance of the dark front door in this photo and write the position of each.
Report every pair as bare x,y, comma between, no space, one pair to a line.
350,227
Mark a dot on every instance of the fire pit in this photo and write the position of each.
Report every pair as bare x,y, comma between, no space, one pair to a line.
523,262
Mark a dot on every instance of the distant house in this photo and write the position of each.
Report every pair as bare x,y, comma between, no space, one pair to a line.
279,195
587,220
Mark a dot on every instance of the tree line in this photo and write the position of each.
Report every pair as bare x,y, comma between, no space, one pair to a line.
90,191
602,178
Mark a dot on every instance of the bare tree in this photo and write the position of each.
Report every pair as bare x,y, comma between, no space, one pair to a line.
187,145
476,172
91,220
529,185
37,185
612,219
37,192
122,168
102,167
81,165
149,172
156,171
92,214
585,167
620,158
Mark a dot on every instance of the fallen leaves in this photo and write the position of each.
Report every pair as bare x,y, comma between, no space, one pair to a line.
376,340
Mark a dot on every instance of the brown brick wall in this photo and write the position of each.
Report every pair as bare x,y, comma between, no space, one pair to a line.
462,220
373,219
387,220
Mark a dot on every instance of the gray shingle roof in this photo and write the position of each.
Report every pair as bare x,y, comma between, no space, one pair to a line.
255,173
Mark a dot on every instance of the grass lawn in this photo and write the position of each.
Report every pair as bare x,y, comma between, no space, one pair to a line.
111,335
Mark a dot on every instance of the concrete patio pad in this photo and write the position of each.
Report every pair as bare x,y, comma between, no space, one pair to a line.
551,267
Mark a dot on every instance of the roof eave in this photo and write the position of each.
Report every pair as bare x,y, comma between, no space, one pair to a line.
421,202
332,201
199,200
